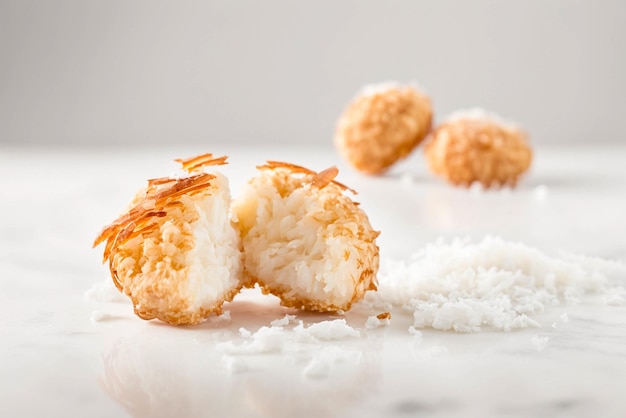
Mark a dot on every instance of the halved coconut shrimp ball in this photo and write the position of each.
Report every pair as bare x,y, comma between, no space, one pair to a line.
304,240
175,253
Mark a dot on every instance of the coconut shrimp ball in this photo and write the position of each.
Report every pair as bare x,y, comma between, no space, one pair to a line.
383,125
476,146
175,252
304,240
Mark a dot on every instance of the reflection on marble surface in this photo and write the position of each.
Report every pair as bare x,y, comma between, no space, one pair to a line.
572,368
155,375
61,355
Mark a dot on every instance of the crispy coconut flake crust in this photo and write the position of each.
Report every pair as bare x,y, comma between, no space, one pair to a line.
318,240
319,180
471,148
146,247
161,195
382,126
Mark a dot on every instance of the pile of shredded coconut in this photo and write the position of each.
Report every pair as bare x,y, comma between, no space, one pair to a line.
496,284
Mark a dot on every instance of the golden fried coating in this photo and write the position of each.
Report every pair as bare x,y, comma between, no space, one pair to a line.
382,126
304,240
476,146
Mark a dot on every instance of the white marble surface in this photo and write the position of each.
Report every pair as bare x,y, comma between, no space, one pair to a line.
56,361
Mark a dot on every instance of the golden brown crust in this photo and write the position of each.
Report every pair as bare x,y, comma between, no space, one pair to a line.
465,150
378,129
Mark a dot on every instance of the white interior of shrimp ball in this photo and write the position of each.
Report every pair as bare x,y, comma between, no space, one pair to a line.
290,248
214,264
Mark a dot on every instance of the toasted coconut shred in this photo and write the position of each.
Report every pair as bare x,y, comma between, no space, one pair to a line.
304,240
175,253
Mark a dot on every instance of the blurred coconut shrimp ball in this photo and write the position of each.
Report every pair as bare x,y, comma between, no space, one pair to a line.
304,239
382,125
477,146
175,252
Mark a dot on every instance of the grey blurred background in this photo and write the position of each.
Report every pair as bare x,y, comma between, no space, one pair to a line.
93,73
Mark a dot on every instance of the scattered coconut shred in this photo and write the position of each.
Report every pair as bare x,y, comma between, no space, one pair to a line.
104,292
495,284
276,339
